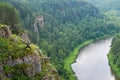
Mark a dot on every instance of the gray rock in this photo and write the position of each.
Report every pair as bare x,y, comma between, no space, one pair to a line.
33,60
5,32
8,61
30,71
36,64
17,61
1,70
25,37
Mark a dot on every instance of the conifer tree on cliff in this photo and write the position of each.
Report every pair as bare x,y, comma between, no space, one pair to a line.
10,16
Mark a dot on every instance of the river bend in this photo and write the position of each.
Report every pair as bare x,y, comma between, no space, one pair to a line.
92,62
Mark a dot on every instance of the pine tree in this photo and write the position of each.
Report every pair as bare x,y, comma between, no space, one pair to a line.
10,16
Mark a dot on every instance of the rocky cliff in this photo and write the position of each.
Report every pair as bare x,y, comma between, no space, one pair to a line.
20,60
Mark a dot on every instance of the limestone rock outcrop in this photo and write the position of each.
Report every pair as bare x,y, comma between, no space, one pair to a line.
17,59
5,31
33,60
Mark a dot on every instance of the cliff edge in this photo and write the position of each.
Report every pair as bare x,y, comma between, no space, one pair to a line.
20,60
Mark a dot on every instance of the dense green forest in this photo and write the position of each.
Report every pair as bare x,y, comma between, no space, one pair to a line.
11,18
110,8
114,56
67,24
105,5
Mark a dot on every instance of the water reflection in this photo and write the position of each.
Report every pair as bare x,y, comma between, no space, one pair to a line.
92,62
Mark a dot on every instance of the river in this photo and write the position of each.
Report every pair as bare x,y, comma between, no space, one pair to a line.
92,62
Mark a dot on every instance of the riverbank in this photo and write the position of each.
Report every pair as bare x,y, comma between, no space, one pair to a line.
69,60
113,56
92,59
72,57
114,68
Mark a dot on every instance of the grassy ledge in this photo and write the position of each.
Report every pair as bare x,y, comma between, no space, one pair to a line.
71,58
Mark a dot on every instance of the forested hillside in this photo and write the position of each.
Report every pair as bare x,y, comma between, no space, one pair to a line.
5,17
26,17
67,24
114,56
105,5
110,8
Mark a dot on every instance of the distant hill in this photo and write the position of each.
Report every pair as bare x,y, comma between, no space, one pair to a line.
105,5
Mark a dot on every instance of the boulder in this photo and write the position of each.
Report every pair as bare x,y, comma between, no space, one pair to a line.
5,32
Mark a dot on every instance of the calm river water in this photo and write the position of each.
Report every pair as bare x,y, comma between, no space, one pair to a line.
92,62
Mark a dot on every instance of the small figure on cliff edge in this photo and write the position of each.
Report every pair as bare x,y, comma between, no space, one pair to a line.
28,45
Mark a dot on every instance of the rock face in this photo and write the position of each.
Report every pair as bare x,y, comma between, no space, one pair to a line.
25,37
33,60
17,60
1,70
40,20
36,64
5,31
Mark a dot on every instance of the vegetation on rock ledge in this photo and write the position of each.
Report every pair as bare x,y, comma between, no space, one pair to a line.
20,62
